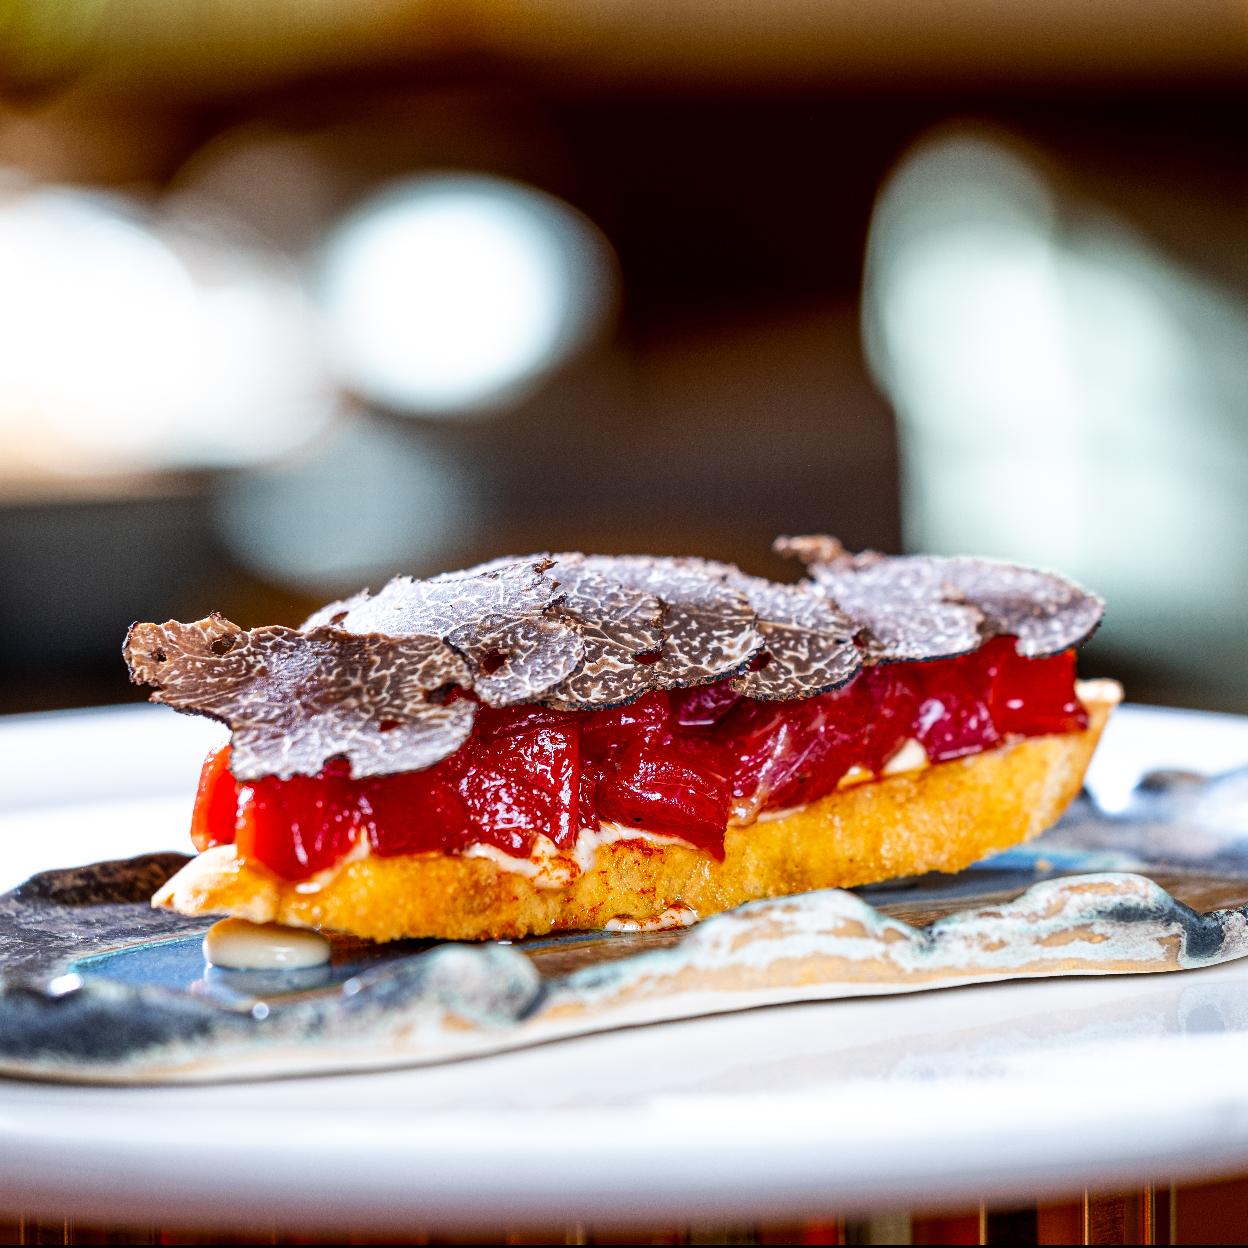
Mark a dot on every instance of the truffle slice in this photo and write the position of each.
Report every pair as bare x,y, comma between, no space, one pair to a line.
503,618
708,625
808,643
929,607
294,700
374,677
904,609
1047,613
619,626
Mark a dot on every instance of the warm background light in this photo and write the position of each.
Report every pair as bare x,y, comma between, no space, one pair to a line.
449,294
364,501
1068,394
134,340
293,297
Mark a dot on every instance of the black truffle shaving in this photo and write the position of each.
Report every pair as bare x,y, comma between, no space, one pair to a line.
294,700
391,680
808,642
500,619
620,627
929,607
708,624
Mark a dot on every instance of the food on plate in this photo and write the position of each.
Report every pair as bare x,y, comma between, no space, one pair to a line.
236,945
580,742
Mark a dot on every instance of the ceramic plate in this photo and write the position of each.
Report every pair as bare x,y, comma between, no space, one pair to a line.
785,1112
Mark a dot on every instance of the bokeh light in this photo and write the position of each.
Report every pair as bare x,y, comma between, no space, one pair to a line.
454,293
366,501
1067,394
138,342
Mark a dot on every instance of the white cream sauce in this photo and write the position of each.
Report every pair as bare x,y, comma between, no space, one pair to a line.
677,915
314,883
550,867
1109,691
909,756
242,946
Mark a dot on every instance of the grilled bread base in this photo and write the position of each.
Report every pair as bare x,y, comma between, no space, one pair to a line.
941,818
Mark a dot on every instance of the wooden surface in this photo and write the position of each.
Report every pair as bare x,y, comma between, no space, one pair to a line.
1212,1213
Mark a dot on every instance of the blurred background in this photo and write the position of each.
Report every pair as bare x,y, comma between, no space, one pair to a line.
294,296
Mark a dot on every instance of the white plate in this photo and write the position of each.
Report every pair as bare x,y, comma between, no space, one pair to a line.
1014,1091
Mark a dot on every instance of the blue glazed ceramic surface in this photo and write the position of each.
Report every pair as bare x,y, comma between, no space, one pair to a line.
1150,875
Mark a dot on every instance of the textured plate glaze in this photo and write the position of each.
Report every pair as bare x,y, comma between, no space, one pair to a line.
1015,1092
98,987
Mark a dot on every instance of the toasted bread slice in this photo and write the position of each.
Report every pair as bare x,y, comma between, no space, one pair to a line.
940,818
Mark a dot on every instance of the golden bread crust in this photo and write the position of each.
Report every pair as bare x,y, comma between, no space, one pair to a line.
941,818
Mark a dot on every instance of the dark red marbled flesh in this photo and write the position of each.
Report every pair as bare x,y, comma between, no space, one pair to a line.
683,763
